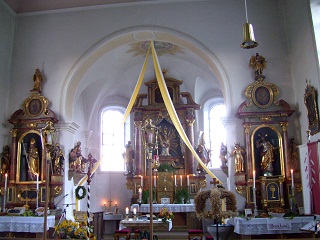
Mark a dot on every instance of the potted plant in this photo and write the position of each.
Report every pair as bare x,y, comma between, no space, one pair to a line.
182,195
165,167
146,196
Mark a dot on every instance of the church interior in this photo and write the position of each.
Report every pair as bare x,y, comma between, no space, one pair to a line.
108,121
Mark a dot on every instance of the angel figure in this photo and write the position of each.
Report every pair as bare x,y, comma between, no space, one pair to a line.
259,63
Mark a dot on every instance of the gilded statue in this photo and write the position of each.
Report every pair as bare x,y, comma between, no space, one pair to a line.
33,161
203,152
267,155
259,63
5,160
238,153
58,159
129,158
37,79
165,137
223,155
76,162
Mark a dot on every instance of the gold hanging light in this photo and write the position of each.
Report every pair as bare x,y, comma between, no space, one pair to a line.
248,35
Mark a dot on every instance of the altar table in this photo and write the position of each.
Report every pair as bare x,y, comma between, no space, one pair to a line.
145,208
258,226
145,224
25,224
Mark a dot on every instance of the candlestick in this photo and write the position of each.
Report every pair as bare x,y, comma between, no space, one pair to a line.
181,180
254,179
134,211
292,181
127,210
188,183
175,180
141,183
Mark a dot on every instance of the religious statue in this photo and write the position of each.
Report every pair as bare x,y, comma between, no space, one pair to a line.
58,159
259,63
5,160
33,161
238,152
267,155
76,160
203,152
37,79
165,137
129,159
223,155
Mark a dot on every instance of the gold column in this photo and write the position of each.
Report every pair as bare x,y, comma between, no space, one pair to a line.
286,150
13,163
250,168
138,156
190,164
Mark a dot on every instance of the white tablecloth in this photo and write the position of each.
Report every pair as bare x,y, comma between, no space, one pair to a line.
258,226
145,208
24,224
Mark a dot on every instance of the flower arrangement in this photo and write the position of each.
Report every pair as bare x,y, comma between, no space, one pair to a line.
69,229
166,215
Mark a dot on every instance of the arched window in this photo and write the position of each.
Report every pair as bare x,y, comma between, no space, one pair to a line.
113,139
217,134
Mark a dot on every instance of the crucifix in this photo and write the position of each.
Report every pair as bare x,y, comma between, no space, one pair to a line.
214,181
110,201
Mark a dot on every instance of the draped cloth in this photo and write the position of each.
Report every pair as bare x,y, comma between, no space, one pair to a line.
167,102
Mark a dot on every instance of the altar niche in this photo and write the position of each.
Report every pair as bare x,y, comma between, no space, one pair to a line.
30,157
267,149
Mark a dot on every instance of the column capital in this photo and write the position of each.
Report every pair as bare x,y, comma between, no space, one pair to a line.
71,127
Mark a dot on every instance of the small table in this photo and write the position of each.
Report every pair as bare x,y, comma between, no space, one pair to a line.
111,218
258,226
145,224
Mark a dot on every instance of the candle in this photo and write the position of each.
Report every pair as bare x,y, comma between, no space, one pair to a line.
155,181
188,183
181,180
141,178
37,182
5,182
175,180
254,179
140,193
134,211
104,203
127,210
116,204
292,181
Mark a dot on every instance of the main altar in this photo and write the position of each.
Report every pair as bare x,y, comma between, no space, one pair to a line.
178,177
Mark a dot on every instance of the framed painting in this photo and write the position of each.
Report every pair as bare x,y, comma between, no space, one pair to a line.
310,101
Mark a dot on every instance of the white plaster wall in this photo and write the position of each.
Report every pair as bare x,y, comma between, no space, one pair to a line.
56,41
6,41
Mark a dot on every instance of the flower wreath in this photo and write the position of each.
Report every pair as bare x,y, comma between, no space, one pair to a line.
78,191
215,194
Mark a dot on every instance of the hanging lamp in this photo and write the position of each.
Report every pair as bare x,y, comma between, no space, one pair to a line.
248,34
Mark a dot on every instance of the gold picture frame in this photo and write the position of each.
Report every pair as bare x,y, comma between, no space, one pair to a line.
310,100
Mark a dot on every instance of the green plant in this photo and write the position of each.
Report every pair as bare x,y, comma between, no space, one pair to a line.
182,193
165,167
146,195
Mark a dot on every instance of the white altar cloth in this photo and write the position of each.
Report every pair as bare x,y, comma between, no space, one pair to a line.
144,224
258,226
145,208
24,224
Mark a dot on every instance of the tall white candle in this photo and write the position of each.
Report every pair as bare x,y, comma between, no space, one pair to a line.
254,179
6,181
140,193
188,183
127,210
37,181
292,181
141,178
181,180
175,180
155,181
134,211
